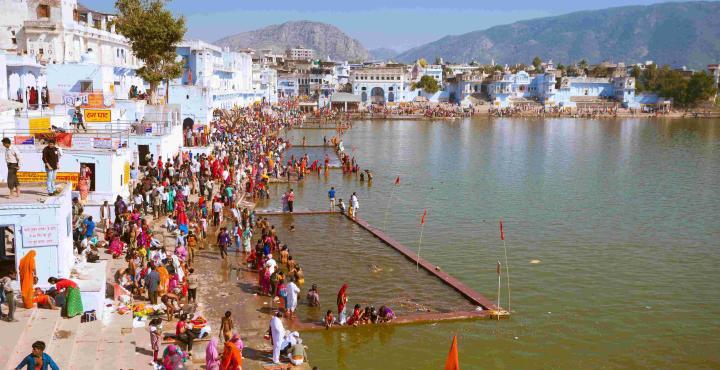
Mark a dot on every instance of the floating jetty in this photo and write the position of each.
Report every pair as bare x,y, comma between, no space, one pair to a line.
489,310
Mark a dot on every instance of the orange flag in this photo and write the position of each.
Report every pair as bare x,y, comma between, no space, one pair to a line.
397,181
422,220
452,362
502,234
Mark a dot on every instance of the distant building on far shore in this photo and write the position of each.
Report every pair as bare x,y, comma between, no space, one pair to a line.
300,53
714,72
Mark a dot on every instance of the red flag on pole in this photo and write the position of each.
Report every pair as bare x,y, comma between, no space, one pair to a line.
452,362
502,234
422,220
498,269
397,181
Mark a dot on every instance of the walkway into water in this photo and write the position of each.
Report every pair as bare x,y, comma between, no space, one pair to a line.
489,309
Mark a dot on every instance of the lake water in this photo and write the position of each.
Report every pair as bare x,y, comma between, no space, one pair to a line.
624,216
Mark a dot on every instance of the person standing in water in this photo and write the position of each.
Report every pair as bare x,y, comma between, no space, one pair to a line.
291,200
331,196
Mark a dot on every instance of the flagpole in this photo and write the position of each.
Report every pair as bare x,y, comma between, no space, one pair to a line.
387,209
498,293
417,260
507,270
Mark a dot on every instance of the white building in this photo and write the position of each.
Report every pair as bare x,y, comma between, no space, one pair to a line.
212,78
381,84
60,32
44,225
265,82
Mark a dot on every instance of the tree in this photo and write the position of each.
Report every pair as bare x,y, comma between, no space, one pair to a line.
153,33
422,62
428,84
537,63
701,87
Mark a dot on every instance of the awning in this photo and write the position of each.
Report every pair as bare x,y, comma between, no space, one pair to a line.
343,97
6,105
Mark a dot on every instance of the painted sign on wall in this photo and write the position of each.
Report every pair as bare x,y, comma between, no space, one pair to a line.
98,115
39,125
39,235
41,177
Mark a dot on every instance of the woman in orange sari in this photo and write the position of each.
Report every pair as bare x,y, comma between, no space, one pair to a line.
164,280
27,278
232,354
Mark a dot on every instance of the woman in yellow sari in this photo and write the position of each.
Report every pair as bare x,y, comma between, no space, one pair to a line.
27,278
164,280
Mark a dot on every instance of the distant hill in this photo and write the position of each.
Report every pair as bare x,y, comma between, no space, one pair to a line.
383,54
685,33
325,39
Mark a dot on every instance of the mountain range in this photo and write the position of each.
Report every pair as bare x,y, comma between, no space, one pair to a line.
678,34
327,40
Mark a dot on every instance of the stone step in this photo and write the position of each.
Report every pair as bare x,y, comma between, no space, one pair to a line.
143,348
12,333
113,347
84,354
41,327
63,342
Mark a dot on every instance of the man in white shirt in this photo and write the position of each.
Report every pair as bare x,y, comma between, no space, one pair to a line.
12,157
277,330
271,265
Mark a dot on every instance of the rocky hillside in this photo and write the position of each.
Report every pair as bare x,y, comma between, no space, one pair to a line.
684,33
326,39
383,54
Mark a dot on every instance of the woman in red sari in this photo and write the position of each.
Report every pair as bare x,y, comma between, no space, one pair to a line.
342,299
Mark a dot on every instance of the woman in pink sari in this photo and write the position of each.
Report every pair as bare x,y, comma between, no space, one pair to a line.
212,357
174,283
116,247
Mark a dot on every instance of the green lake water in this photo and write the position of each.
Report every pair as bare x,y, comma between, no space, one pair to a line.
624,216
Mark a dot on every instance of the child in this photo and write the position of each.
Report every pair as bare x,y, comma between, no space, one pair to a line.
385,314
356,316
329,319
155,328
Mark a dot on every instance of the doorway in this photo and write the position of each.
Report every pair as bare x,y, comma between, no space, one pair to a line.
7,249
143,153
91,166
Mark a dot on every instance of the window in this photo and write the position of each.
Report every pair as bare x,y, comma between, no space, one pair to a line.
43,11
86,86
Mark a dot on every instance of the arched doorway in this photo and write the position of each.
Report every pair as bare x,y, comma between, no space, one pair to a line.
363,96
391,97
377,95
188,124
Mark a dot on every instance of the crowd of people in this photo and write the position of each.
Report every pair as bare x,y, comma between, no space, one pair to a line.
197,201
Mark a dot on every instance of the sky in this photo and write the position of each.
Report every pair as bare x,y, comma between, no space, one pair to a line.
398,24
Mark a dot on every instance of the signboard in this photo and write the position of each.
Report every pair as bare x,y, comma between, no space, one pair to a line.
39,125
103,143
41,177
24,140
98,115
82,142
69,100
39,235
126,177
95,100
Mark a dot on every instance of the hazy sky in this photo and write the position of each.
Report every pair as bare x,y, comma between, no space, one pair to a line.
398,24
